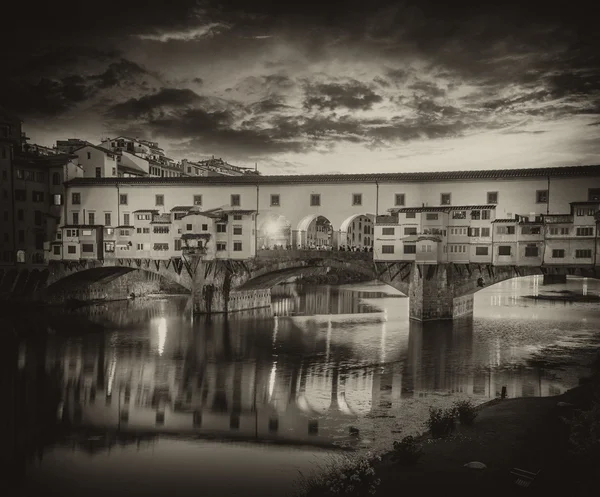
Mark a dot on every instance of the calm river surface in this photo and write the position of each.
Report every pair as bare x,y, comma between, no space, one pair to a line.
135,398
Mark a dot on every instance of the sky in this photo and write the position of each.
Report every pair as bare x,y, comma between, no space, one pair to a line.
302,88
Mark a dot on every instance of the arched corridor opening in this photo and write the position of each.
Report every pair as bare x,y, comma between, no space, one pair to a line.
274,231
315,232
357,232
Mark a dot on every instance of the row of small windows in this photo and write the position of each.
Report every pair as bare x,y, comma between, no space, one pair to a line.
503,250
21,196
357,200
161,247
26,175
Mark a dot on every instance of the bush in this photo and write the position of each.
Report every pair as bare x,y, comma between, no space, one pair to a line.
441,422
584,436
466,411
345,475
595,366
407,451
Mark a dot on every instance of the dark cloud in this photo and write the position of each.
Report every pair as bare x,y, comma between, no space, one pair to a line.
47,97
427,88
191,122
149,105
352,95
523,132
397,75
516,61
269,105
118,73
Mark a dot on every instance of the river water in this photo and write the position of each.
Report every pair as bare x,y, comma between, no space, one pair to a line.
137,398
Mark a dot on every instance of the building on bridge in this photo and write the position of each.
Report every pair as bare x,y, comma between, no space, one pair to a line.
224,233
472,234
297,201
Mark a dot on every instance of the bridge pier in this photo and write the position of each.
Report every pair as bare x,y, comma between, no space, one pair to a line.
432,294
213,292
550,279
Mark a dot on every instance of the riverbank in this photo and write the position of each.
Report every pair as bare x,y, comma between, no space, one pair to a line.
526,433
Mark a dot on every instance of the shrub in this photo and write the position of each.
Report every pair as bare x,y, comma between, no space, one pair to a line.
407,451
348,476
584,437
595,366
466,411
441,422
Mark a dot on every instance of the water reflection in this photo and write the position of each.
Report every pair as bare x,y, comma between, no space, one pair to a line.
330,357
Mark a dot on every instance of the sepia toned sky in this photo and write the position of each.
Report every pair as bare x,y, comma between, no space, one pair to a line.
299,88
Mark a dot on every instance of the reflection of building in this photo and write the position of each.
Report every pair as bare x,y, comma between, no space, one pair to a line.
293,380
360,232
323,299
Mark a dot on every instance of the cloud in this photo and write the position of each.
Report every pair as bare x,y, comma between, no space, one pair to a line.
428,88
47,97
523,132
118,73
188,34
352,95
269,105
148,105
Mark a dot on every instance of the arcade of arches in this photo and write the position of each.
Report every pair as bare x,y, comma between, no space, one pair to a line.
316,232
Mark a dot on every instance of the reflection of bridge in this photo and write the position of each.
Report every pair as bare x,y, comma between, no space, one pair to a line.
222,379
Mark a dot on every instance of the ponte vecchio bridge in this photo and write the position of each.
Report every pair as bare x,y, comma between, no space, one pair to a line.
237,274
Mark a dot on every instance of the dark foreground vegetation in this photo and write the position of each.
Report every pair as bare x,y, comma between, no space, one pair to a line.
478,451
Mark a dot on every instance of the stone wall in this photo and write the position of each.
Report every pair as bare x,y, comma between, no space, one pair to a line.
249,299
138,283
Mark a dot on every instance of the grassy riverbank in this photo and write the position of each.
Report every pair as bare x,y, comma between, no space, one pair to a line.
526,433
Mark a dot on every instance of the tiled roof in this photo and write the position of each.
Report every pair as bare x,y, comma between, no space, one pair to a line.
587,202
41,161
184,208
82,226
162,218
443,208
233,210
499,174
504,221
153,211
386,219
102,149
192,236
132,168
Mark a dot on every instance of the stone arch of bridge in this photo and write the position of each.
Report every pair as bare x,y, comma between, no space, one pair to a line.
344,231
270,275
301,235
81,278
